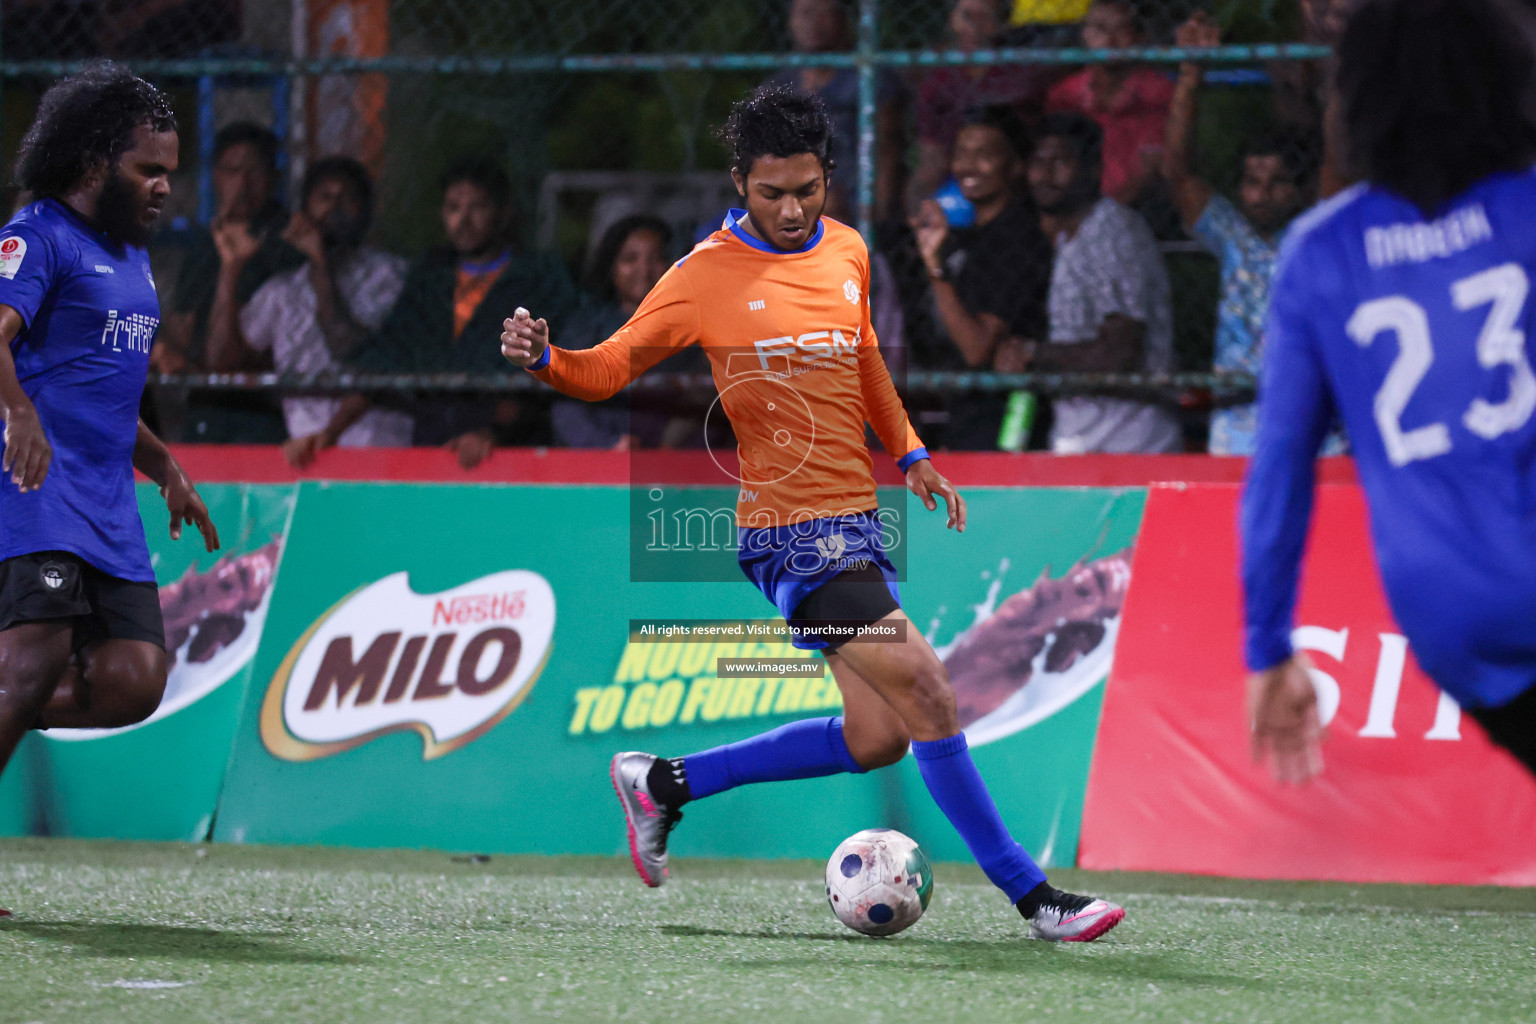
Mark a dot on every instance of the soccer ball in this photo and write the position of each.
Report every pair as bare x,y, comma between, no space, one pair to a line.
878,882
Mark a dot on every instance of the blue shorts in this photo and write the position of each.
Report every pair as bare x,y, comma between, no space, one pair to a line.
788,562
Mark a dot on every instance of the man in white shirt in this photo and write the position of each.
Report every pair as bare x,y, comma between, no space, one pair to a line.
308,320
1110,306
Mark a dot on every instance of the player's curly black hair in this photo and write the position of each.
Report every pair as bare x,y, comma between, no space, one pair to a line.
1438,94
777,120
84,122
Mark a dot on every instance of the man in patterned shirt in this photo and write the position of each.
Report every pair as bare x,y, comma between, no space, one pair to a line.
311,319
1276,186
1110,306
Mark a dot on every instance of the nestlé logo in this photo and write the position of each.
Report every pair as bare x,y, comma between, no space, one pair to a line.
449,666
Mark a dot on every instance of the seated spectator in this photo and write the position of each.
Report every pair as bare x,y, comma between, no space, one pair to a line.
1128,101
990,280
309,320
626,264
1276,186
220,271
945,94
448,320
1110,308
821,26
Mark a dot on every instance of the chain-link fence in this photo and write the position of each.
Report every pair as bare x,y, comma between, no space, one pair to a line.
586,127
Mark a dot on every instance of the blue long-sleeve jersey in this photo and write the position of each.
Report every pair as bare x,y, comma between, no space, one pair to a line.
1415,331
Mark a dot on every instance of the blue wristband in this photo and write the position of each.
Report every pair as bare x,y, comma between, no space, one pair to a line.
915,455
542,361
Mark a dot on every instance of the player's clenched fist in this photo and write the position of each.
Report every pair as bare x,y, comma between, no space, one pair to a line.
523,339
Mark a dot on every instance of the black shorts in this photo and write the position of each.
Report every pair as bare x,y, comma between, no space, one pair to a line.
1513,726
852,598
54,586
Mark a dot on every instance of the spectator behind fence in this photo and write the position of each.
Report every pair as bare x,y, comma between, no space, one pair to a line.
448,320
1276,186
989,281
821,26
1128,101
945,94
626,264
1110,308
220,271
310,319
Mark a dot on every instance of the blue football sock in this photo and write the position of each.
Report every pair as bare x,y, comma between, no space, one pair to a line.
800,750
956,786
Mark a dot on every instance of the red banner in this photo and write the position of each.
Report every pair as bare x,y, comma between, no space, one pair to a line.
1412,791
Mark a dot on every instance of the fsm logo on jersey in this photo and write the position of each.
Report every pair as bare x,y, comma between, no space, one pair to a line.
448,666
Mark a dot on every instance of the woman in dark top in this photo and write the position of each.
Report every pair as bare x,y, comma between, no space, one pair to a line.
628,261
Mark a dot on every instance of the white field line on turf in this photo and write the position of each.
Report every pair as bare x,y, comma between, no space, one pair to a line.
122,983
1294,904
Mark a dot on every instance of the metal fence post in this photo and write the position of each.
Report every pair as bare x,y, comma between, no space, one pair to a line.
207,126
869,45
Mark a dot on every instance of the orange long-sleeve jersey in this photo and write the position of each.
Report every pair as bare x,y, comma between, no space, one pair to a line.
793,356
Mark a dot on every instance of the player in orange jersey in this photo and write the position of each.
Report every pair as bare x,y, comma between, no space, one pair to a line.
779,300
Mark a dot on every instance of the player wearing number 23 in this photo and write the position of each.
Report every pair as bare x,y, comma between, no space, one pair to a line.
1405,304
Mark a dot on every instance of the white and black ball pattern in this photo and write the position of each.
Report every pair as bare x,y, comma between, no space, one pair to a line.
878,882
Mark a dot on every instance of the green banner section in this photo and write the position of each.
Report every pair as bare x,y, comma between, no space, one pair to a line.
161,779
451,667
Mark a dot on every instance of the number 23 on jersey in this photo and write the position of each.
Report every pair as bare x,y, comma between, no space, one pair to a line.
1503,289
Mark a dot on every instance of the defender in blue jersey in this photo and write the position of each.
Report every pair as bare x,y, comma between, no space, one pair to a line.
1406,303
82,643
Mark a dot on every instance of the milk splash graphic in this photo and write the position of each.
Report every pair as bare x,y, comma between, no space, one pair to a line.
1024,657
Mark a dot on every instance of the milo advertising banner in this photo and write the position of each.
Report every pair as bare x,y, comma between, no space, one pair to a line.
453,666
161,779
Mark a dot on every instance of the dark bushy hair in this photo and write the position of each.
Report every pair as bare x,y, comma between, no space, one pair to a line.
780,121
483,172
1082,131
85,121
1438,94
599,276
1003,120
1297,152
247,133
346,169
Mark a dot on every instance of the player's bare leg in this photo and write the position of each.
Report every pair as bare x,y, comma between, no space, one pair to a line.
111,684
33,657
875,734
908,675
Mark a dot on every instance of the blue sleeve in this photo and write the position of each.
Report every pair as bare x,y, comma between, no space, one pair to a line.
27,269
1295,409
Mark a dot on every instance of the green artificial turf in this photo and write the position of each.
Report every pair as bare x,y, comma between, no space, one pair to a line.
166,934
